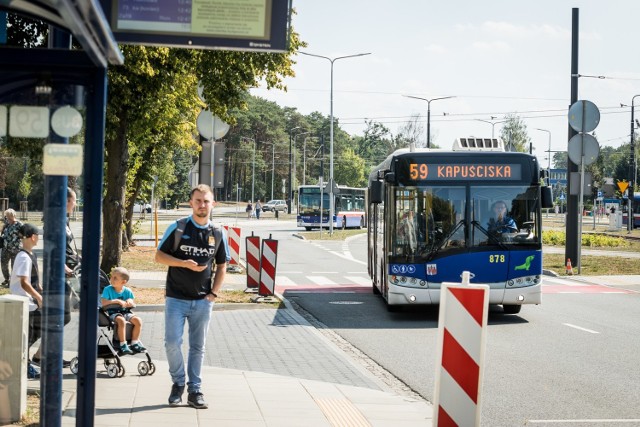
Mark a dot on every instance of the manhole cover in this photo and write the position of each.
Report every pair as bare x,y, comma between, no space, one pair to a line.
346,302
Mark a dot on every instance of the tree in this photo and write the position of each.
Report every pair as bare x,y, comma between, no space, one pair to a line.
349,170
411,133
514,134
153,104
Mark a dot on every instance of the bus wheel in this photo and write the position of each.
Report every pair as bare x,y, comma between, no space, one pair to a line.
344,222
511,309
308,228
376,291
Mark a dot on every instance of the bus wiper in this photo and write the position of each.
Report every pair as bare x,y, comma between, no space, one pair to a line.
492,237
436,248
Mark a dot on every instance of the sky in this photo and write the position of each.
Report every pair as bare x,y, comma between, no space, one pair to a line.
496,57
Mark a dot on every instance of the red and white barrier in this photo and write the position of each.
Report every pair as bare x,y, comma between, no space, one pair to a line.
233,234
268,263
252,247
461,344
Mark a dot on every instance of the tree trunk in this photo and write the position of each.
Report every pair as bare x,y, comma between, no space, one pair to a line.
113,206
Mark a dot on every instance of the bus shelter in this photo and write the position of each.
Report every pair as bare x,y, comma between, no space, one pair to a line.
49,95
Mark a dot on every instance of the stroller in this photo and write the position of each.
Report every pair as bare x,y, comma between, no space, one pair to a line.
107,339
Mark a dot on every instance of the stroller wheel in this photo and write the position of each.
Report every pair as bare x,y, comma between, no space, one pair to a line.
112,370
143,368
152,369
121,371
73,366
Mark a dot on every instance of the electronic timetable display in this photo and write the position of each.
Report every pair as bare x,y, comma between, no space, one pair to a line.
261,25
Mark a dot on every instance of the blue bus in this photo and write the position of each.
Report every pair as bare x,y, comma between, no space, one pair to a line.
430,219
348,207
636,212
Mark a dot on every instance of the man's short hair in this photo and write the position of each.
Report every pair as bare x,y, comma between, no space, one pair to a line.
203,188
122,272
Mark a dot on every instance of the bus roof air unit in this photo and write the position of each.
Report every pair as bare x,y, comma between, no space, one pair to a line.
478,144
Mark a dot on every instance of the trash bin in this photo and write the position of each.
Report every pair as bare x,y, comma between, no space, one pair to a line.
276,211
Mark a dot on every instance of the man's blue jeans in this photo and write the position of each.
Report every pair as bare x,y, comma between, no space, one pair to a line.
198,314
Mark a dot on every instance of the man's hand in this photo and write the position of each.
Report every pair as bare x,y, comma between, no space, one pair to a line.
192,265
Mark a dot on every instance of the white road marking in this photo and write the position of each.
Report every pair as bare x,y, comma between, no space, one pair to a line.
284,281
321,280
359,280
580,328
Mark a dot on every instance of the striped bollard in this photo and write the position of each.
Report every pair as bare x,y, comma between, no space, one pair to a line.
233,234
461,344
268,262
252,248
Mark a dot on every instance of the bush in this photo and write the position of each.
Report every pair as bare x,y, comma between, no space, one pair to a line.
559,238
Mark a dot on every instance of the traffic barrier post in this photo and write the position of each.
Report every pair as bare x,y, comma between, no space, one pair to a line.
233,235
252,248
268,263
462,328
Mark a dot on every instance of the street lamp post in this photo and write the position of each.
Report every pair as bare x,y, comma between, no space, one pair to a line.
273,164
632,170
549,154
492,123
304,161
294,154
290,162
253,168
429,113
331,183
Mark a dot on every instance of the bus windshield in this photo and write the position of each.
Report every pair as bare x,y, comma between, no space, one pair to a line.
437,220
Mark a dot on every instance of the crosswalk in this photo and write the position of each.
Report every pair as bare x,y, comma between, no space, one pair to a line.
357,282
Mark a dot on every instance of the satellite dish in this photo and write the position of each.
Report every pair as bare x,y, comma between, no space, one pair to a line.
210,126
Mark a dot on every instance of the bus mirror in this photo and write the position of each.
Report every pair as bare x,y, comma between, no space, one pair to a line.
546,197
390,177
376,192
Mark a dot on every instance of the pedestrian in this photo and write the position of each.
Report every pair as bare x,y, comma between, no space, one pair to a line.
249,209
258,209
25,282
189,247
11,243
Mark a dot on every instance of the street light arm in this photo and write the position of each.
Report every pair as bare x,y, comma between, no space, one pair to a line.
332,60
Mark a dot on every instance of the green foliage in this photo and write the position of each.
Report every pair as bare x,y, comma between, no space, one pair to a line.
558,238
24,188
514,134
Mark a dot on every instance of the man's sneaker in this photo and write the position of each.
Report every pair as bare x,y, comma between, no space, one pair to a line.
196,400
33,372
124,349
175,398
138,347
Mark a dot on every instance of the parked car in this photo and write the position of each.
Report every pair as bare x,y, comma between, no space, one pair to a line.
275,205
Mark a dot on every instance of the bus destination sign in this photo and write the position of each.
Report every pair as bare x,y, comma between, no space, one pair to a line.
466,172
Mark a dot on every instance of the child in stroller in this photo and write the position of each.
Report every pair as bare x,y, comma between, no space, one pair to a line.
117,301
125,326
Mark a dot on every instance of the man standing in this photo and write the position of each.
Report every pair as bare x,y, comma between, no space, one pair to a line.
189,247
11,241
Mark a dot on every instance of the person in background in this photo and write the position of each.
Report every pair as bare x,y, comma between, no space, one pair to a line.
258,209
249,210
25,281
11,243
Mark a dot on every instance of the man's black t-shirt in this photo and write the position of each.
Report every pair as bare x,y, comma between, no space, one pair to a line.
201,244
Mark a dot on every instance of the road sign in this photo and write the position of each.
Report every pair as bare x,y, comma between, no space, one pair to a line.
584,116
583,144
562,197
211,126
622,186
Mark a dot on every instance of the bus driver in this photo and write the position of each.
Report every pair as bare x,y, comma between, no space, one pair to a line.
500,222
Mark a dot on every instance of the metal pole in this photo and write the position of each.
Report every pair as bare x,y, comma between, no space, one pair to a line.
304,163
253,172
332,60
429,113
290,164
273,166
632,169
